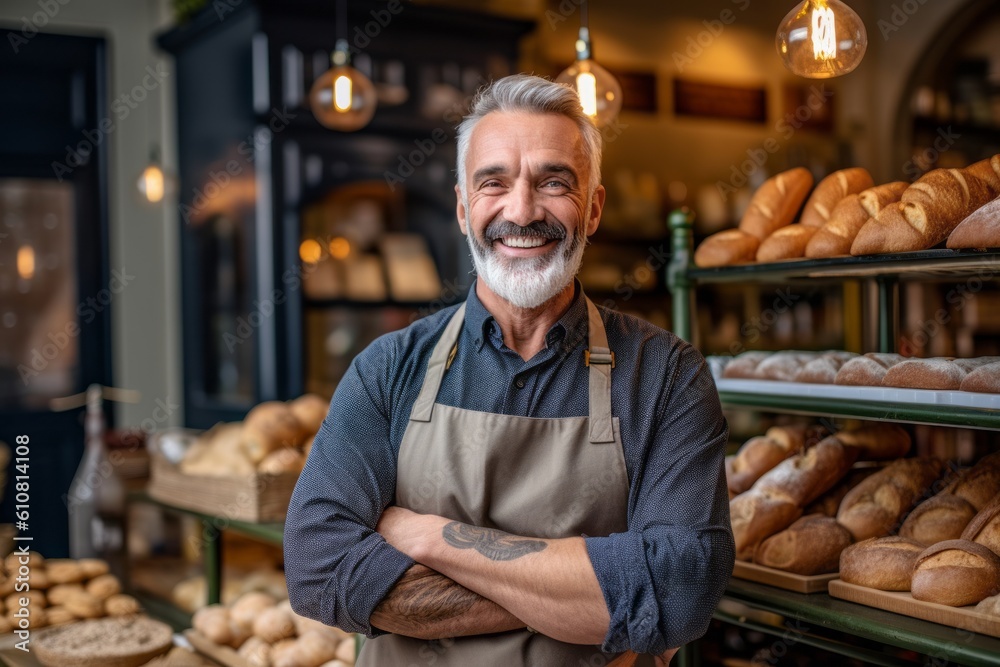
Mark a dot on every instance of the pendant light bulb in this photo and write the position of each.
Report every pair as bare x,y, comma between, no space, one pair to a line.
153,182
599,91
342,98
821,39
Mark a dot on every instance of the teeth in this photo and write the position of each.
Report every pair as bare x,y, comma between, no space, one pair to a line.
524,241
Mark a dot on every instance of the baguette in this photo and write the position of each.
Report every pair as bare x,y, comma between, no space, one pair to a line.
875,506
938,373
760,454
776,202
785,243
980,230
984,528
873,200
956,573
756,515
868,370
927,213
943,517
884,563
878,442
805,477
849,216
989,171
732,246
830,191
812,545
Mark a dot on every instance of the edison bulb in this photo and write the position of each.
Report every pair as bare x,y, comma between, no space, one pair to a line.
342,98
154,183
599,91
820,39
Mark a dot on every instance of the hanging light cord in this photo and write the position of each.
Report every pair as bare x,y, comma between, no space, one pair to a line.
583,49
341,52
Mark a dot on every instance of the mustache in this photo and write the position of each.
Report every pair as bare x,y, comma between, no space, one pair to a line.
500,228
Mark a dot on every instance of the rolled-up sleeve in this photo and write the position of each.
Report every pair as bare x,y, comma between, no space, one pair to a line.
337,567
664,577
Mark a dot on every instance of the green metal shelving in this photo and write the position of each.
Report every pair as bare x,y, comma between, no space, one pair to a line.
768,609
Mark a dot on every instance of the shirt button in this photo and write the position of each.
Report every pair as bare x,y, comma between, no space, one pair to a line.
519,383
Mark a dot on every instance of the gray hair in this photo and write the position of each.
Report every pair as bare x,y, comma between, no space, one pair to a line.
533,94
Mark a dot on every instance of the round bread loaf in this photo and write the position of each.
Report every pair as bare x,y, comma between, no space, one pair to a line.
744,365
985,527
310,410
875,506
956,573
980,484
943,517
884,563
106,642
984,380
868,370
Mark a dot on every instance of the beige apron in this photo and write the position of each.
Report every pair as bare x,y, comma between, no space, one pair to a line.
523,475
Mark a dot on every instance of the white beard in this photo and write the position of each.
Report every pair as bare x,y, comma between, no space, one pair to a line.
528,282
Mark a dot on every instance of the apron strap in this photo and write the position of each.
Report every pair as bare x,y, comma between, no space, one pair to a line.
601,360
441,358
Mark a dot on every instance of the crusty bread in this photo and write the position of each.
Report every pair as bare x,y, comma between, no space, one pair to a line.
805,477
939,373
885,563
811,545
956,573
776,202
785,243
985,379
829,502
985,527
927,213
106,642
823,369
731,246
875,506
989,171
849,216
783,366
943,517
981,229
867,370
830,191
761,453
756,515
877,442
873,200
744,365
980,484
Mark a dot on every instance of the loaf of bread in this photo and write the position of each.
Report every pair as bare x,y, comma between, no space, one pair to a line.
984,528
875,506
836,236
927,213
956,573
978,485
783,366
829,502
823,369
830,191
785,243
812,545
873,200
980,230
125,641
877,442
805,477
762,453
744,365
269,426
868,370
776,203
989,171
984,380
725,248
756,515
884,563
939,373
943,517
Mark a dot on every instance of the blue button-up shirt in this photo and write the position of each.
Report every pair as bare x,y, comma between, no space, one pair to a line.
662,579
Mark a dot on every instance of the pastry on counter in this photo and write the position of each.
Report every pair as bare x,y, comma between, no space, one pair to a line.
884,563
776,203
830,191
956,573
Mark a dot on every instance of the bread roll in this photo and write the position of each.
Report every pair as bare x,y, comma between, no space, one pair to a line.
785,243
121,605
830,191
59,616
822,370
84,605
248,606
104,586
762,453
805,477
938,373
811,545
732,246
219,452
775,204
269,426
783,366
984,380
978,485
835,237
884,563
943,517
281,461
956,573
875,506
310,410
64,571
274,624
985,527
989,171
877,442
60,593
256,652
868,370
744,366
213,622
756,515
927,213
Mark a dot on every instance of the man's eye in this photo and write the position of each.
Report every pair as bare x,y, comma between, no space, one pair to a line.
555,184
492,184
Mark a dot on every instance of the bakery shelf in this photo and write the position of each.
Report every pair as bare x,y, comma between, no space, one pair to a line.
923,264
820,613
917,406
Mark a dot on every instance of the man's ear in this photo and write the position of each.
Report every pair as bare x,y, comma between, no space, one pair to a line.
596,207
460,211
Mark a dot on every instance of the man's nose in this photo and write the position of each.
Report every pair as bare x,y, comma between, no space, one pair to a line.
522,206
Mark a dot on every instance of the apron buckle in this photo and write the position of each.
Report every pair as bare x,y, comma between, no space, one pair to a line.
606,357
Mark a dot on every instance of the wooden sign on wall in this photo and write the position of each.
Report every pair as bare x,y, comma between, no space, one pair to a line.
712,100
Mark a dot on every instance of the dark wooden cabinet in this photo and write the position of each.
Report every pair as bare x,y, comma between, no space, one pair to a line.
263,184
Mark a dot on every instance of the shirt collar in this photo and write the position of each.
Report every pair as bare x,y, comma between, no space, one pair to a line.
570,328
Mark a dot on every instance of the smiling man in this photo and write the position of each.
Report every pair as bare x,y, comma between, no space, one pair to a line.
525,479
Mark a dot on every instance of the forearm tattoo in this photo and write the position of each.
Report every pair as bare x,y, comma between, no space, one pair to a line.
490,542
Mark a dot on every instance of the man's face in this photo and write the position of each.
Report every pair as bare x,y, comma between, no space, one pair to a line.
527,213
